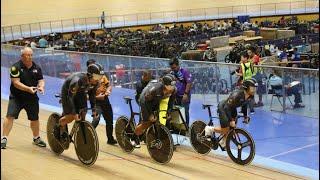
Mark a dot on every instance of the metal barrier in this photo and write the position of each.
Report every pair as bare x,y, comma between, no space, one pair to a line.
14,32
212,82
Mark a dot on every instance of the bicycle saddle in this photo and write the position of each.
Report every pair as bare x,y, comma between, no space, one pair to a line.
127,99
206,106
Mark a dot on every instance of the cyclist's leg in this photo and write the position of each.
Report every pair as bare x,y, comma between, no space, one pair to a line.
68,115
224,125
147,118
69,111
80,103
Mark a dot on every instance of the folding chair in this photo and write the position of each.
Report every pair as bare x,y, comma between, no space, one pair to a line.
177,123
276,91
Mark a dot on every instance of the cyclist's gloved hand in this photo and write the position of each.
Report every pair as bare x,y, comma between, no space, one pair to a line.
246,120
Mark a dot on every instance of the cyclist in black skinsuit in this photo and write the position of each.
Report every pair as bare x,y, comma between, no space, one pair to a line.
150,99
227,109
74,94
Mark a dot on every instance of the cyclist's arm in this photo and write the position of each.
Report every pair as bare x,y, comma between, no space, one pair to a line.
244,110
231,107
73,87
138,91
92,97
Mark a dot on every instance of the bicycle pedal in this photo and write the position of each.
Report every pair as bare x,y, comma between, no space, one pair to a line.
215,144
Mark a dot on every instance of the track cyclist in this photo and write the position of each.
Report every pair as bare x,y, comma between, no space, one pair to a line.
151,97
74,94
227,109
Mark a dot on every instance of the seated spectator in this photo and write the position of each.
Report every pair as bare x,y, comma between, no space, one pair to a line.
283,56
296,58
33,44
255,24
43,43
295,89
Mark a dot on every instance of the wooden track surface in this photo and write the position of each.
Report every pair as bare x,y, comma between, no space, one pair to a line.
22,160
15,12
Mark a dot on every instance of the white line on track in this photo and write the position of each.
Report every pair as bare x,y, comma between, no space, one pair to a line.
293,150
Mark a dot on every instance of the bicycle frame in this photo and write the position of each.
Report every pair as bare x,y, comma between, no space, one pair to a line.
221,136
183,120
133,114
78,123
132,121
82,118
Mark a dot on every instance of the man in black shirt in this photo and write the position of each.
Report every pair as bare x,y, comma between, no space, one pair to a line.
103,105
26,80
146,77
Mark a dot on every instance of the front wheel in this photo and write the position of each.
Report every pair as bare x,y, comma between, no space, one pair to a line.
123,133
55,146
159,143
198,139
240,146
86,143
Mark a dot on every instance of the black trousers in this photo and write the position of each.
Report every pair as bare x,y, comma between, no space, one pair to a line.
104,108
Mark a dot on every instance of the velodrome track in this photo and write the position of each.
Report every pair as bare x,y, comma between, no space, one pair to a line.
22,160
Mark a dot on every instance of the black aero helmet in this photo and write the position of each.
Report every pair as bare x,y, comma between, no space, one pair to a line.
95,69
169,79
249,82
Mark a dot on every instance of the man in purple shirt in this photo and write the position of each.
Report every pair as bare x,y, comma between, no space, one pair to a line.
184,84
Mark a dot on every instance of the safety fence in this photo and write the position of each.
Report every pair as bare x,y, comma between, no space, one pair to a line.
14,32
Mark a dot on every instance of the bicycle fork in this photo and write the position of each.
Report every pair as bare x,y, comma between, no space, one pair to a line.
83,132
156,143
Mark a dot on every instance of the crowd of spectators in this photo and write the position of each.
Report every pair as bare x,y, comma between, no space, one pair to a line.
161,41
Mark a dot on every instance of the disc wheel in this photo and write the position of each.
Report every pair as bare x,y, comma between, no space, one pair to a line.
198,139
159,143
123,133
53,142
86,143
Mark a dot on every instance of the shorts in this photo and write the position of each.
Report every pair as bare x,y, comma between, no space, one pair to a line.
224,119
146,111
73,105
31,106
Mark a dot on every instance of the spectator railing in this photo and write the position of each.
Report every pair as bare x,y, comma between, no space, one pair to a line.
212,82
14,32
